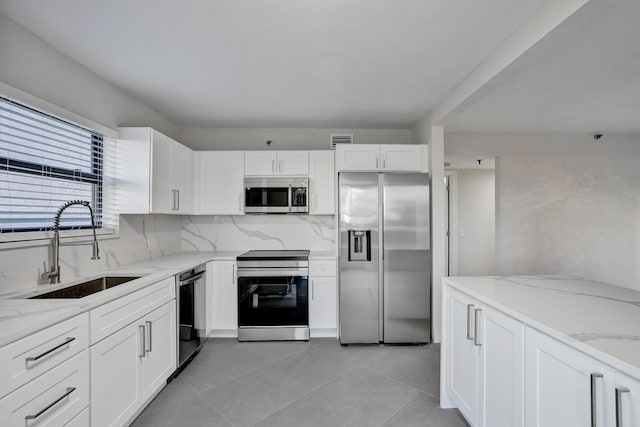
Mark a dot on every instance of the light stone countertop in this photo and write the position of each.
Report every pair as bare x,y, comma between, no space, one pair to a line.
323,255
20,317
596,318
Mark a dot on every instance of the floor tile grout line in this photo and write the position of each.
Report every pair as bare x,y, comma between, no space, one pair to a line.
252,371
400,408
288,403
215,409
306,394
397,381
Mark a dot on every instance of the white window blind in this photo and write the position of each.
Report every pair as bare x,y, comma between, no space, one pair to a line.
45,162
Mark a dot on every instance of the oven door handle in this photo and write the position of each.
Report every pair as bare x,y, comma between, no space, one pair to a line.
192,279
272,273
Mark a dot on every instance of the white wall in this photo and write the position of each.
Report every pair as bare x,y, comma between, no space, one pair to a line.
33,72
31,65
565,204
284,139
476,222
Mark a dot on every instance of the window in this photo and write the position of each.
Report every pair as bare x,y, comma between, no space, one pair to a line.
45,162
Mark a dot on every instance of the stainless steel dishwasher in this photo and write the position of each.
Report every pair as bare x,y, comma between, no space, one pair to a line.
191,297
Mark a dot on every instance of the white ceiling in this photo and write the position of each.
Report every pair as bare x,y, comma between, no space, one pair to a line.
280,63
585,80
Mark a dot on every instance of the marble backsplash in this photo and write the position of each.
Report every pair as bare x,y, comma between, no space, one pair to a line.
146,236
140,237
258,232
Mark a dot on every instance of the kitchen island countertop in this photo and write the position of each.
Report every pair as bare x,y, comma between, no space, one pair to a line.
596,318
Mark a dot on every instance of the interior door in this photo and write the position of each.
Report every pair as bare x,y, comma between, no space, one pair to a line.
406,258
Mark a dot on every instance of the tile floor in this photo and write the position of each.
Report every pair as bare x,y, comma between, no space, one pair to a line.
315,383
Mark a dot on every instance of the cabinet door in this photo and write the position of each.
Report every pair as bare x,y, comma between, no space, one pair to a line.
322,182
220,182
293,163
501,368
161,185
401,157
323,303
181,178
260,163
462,366
116,364
627,401
558,383
357,157
224,301
160,348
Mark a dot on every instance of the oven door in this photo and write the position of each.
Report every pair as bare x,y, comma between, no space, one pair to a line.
272,300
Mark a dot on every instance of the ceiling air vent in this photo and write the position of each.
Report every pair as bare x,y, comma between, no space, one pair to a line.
340,138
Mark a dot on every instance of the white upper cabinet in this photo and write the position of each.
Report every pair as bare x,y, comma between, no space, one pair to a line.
322,175
358,157
155,173
266,163
219,177
401,157
388,157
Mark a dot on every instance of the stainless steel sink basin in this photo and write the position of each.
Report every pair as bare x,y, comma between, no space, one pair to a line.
87,288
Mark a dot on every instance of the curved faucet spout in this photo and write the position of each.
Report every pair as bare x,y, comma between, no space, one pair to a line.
54,274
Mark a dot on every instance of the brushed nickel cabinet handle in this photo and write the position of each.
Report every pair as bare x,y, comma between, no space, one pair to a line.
273,166
313,290
476,322
50,405
469,310
594,403
51,350
148,339
619,391
142,344
376,162
384,161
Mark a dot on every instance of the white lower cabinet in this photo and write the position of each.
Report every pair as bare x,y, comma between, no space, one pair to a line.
322,306
627,401
223,302
498,371
484,362
53,399
564,387
131,365
323,298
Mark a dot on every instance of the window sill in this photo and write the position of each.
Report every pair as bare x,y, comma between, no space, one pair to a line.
43,238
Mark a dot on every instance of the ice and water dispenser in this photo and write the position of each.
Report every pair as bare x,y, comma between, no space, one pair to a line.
359,245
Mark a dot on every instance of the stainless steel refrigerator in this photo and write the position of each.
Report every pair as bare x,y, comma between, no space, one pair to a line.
384,270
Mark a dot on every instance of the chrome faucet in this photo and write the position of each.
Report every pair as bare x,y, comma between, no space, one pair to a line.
54,273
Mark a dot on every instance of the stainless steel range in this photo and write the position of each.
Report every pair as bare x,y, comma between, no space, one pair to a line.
273,296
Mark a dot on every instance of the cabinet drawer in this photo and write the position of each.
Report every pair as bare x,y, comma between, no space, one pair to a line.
53,399
117,314
25,359
322,268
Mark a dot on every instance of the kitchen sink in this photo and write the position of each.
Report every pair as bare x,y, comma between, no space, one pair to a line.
87,288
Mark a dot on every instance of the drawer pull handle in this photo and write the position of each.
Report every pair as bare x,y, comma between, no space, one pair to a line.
150,345
50,405
41,355
143,346
469,310
594,402
619,391
476,327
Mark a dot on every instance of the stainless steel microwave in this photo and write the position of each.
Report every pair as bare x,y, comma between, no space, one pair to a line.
276,195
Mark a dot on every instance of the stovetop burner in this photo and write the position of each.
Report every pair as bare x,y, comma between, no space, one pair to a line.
293,255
